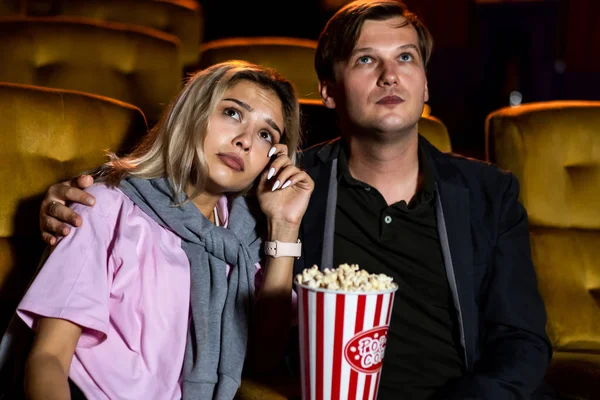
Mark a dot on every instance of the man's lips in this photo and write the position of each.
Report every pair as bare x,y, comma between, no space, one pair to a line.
390,100
232,160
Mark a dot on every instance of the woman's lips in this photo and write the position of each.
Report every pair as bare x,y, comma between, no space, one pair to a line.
232,160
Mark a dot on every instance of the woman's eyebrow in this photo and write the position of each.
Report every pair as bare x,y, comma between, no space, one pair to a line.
249,108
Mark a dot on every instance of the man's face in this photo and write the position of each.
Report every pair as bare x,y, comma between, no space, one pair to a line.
382,86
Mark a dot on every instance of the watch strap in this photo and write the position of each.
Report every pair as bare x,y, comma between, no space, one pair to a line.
283,249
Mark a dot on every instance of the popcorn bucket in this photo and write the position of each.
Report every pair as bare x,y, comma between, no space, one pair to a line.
342,342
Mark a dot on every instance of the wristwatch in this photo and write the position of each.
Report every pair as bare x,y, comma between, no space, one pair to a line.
283,249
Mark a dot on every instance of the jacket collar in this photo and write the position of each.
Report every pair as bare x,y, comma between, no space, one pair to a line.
455,232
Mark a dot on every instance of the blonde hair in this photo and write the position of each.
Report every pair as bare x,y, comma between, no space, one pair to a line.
173,148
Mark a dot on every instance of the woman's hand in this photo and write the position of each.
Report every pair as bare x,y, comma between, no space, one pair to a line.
283,193
284,190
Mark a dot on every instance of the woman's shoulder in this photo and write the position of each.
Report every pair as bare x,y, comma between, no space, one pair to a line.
102,190
115,214
109,201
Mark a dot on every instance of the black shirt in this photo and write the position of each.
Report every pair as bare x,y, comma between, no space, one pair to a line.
401,240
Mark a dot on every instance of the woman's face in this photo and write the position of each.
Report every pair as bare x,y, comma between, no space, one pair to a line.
247,122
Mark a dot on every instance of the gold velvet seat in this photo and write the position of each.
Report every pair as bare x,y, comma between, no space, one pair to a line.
436,132
137,65
180,18
554,150
292,57
272,389
48,136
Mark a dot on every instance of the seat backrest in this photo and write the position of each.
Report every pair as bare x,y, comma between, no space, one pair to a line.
48,136
11,8
133,64
554,150
292,57
436,132
183,19
319,125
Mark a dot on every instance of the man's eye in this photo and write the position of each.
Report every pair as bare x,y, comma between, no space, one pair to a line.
364,60
406,57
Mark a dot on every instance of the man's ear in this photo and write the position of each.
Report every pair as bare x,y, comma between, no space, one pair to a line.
426,94
326,91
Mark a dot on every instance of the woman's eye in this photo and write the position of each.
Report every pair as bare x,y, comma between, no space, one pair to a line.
406,57
233,113
364,60
267,136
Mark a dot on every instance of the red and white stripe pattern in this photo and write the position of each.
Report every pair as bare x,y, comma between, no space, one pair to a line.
332,325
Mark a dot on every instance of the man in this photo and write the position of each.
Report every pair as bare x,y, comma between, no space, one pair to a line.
468,322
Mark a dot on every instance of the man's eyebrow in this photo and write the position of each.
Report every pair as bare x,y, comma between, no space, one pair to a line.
247,107
409,46
361,50
367,49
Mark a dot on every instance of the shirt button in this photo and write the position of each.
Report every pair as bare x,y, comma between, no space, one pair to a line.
387,219
367,188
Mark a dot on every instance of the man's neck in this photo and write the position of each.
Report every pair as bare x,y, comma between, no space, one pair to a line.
390,167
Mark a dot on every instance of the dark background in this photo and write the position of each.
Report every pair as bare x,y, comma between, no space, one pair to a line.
484,50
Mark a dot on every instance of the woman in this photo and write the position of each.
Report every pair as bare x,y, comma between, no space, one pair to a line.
151,298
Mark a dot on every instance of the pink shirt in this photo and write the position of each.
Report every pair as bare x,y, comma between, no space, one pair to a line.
126,281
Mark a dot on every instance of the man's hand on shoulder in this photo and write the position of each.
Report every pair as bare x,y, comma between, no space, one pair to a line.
55,215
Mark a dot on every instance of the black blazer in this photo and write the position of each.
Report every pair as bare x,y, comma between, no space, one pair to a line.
501,314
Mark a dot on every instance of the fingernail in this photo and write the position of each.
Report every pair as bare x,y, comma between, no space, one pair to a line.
90,202
65,231
272,151
275,186
271,172
288,183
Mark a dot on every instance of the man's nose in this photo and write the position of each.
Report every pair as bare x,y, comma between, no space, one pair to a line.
388,75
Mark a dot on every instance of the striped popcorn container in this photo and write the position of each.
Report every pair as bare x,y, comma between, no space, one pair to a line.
342,342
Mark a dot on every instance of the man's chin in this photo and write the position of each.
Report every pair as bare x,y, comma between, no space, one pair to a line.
386,127
395,128
399,122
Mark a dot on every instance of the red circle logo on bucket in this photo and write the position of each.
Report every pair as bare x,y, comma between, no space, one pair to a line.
364,352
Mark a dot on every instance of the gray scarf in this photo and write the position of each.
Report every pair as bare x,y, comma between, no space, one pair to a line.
219,306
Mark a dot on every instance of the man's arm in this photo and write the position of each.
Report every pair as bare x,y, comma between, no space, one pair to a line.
55,216
47,368
516,351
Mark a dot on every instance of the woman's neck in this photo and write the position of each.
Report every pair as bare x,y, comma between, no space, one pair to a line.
206,203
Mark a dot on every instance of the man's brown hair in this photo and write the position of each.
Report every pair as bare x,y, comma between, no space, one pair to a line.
343,30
